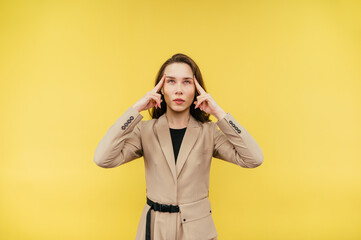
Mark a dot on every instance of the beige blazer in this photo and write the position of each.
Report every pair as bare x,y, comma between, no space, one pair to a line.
186,183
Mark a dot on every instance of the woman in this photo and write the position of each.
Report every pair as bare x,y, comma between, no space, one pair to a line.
177,185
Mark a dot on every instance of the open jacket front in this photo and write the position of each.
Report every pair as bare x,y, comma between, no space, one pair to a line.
185,183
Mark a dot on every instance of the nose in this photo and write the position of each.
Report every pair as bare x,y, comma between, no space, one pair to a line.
178,89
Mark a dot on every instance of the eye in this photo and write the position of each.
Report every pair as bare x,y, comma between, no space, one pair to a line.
187,81
170,80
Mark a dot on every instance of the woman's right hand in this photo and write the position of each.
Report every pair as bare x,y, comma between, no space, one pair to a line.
151,98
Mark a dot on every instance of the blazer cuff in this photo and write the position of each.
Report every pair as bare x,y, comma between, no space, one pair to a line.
229,124
129,119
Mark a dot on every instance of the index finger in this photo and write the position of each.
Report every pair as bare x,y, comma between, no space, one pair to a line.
198,86
159,85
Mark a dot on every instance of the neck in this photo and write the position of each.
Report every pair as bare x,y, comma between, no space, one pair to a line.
177,120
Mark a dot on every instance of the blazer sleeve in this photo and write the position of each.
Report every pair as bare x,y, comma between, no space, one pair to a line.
234,144
122,142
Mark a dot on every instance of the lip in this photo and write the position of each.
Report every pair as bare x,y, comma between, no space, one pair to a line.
178,101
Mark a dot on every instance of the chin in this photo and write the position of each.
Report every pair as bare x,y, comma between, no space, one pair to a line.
179,109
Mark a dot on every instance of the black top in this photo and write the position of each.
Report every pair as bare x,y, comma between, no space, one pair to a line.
177,137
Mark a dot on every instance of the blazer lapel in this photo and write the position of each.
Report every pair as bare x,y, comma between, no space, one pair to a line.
189,139
165,140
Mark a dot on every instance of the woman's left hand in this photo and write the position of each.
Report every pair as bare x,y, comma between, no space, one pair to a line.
206,103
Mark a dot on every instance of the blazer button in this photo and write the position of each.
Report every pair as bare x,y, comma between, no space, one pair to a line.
236,128
239,131
230,121
184,220
126,124
233,125
123,127
131,118
128,121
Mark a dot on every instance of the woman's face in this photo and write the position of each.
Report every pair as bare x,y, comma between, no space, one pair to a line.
178,85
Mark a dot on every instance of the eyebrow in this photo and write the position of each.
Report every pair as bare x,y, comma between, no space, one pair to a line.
183,78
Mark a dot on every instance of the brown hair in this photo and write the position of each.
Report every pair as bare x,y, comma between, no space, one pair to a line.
196,113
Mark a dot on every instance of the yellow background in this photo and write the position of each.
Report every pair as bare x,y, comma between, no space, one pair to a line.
288,71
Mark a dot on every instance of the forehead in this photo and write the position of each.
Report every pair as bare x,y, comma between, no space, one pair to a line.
179,70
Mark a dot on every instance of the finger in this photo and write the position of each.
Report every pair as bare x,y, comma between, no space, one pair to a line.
159,85
156,101
199,102
158,97
198,86
155,94
200,99
202,96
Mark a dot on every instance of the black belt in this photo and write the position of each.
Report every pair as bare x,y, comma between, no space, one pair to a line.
160,208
